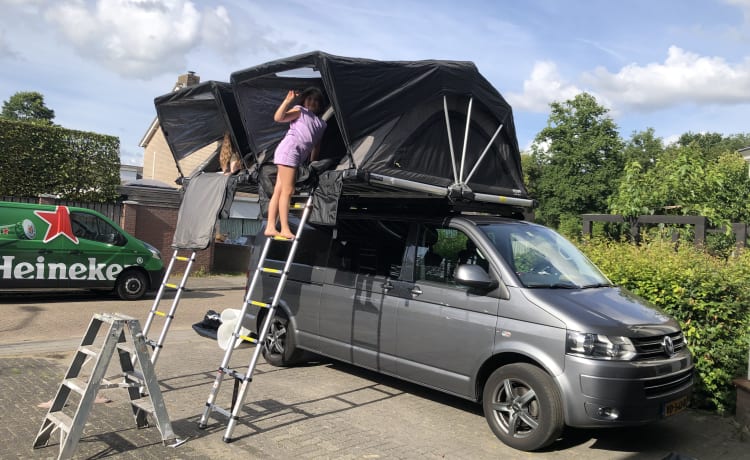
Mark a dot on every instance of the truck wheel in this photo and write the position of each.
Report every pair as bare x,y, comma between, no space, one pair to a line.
523,407
279,347
131,285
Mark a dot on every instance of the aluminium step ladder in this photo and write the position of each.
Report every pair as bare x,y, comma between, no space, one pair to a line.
242,381
137,371
156,345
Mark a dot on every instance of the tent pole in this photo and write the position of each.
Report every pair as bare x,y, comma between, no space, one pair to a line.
450,138
466,139
481,157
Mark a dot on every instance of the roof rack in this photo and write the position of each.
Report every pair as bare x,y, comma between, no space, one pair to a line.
376,185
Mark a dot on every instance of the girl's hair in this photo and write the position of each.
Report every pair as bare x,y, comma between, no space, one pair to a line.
225,154
315,93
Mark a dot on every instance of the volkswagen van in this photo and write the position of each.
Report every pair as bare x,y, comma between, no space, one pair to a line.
509,314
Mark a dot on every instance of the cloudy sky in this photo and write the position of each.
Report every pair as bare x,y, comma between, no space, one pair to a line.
672,65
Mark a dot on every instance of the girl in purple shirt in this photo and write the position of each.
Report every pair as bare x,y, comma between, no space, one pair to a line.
301,143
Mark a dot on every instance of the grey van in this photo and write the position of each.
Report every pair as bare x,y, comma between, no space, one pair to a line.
496,310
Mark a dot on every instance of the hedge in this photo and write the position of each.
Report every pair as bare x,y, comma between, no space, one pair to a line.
75,165
709,296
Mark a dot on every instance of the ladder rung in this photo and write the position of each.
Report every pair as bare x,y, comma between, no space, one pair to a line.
182,258
281,238
171,286
260,304
126,347
233,373
221,410
77,385
270,270
61,420
134,376
249,339
89,350
144,404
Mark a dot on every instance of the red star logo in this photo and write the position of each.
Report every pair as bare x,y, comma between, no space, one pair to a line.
59,224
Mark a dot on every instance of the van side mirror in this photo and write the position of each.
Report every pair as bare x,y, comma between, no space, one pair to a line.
474,276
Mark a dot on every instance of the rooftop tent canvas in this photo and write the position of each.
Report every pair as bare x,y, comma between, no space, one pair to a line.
192,119
198,116
390,118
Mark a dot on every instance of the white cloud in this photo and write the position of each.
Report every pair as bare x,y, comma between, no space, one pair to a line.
139,38
684,77
6,51
544,85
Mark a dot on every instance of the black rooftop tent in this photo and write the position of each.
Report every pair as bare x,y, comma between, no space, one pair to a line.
397,131
196,116
429,127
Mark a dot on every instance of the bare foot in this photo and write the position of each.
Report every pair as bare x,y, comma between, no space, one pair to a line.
286,234
271,232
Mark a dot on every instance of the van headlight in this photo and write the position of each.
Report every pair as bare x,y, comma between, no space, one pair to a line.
154,252
598,346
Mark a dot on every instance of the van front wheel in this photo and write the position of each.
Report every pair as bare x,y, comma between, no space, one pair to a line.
279,347
523,406
131,285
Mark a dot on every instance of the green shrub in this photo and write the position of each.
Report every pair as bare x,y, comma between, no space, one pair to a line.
709,296
75,165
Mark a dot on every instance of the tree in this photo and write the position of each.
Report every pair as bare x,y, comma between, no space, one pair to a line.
579,161
688,180
643,147
713,145
28,106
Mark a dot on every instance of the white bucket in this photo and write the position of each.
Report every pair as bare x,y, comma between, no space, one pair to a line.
229,318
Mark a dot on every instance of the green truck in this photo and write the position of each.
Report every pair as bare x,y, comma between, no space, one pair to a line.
61,247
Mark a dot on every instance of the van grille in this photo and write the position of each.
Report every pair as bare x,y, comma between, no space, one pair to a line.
652,347
661,386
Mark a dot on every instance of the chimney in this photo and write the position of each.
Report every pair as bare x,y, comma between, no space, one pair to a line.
188,79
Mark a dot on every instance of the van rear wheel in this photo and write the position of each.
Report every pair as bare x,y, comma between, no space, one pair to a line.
131,285
279,347
523,406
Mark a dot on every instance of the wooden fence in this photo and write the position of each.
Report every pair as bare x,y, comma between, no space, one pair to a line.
700,224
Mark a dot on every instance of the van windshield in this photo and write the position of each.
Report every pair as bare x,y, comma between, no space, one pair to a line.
542,258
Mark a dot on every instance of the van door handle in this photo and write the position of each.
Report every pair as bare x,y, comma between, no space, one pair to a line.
45,251
416,291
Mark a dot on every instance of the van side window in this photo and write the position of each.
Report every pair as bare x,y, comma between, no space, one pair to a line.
369,247
94,228
440,250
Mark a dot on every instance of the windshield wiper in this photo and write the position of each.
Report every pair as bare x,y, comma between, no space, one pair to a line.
555,286
596,285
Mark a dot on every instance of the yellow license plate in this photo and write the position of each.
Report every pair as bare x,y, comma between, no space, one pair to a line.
676,406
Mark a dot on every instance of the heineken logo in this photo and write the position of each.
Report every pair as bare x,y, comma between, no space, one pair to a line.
78,271
59,224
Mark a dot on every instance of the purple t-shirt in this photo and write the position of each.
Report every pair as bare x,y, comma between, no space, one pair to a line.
304,133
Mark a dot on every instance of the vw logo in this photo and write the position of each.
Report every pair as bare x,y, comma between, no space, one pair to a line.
667,345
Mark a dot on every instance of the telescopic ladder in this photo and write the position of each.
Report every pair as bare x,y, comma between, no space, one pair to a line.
201,205
156,345
242,381
137,371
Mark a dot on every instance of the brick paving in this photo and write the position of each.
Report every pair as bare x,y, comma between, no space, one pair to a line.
324,410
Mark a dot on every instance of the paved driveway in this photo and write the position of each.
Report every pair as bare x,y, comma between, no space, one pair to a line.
323,410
